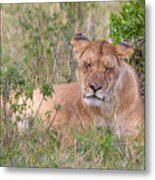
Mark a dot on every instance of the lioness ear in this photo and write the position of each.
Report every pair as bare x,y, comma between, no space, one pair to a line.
79,42
124,49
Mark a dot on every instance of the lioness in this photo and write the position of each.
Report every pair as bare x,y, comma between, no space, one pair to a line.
106,93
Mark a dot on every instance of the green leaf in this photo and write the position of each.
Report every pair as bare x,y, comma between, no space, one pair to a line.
46,89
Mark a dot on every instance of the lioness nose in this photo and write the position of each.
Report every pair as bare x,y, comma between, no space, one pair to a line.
95,86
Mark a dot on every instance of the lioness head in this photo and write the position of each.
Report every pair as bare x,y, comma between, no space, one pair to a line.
98,67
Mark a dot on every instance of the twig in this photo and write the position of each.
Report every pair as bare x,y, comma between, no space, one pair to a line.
51,123
32,120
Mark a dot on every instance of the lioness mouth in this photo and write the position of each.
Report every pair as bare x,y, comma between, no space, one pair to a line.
94,97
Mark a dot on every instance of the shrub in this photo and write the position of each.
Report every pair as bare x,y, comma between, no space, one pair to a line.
128,24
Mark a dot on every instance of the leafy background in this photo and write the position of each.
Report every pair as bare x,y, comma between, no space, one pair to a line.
36,53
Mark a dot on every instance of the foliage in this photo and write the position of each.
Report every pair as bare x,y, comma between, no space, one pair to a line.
46,89
129,25
95,148
13,80
37,36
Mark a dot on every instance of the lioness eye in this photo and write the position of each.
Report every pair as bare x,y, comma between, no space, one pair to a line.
107,69
86,64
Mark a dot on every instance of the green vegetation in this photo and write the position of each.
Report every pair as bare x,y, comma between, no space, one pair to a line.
129,25
36,53
96,148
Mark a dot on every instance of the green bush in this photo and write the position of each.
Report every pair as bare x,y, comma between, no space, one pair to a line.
128,24
95,148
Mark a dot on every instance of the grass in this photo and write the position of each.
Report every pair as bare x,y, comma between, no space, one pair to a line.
94,148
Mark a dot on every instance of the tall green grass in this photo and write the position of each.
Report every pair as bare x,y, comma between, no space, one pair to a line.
94,148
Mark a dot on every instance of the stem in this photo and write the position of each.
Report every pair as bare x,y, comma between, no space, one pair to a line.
32,120
51,123
5,117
